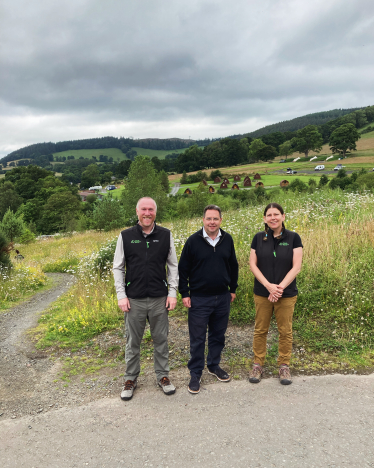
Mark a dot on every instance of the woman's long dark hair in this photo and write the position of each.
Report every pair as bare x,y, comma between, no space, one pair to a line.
281,210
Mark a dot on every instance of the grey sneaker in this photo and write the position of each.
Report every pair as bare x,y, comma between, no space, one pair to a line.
128,389
167,387
256,373
285,375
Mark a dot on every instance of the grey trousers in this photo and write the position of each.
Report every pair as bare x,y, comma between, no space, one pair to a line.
153,309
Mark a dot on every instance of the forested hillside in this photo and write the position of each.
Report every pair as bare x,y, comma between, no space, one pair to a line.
46,150
318,118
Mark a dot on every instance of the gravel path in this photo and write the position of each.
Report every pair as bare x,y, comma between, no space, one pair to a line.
30,379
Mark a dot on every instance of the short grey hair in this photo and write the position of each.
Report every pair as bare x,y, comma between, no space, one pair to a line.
212,207
146,198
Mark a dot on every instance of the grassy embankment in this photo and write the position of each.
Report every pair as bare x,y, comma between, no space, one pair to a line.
334,321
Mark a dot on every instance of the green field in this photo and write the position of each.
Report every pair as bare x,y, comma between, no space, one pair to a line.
117,192
159,153
115,153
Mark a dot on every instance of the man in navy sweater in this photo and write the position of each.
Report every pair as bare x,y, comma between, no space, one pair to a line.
208,278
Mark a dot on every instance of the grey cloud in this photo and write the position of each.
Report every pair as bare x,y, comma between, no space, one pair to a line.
208,61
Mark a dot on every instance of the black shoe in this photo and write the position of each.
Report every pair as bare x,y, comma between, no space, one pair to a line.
221,375
194,385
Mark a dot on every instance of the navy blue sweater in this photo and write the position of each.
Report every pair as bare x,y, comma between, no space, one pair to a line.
205,270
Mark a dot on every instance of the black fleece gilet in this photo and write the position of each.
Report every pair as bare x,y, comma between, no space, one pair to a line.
145,259
274,260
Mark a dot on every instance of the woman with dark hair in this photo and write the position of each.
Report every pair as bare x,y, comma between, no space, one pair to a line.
275,260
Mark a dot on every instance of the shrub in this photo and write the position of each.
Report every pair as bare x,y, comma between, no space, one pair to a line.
366,180
5,248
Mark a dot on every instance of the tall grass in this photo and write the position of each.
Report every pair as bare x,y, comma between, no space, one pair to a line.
334,307
17,282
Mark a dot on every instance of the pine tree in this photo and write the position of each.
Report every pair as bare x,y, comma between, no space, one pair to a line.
184,178
143,181
11,226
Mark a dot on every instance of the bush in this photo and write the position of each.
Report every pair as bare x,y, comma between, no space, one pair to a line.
27,236
366,180
108,214
298,185
214,174
5,248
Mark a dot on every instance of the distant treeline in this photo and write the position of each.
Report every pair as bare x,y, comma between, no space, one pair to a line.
169,144
124,144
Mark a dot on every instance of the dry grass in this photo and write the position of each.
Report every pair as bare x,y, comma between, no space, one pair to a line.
58,249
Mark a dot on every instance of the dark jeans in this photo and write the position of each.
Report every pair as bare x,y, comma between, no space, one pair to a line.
212,312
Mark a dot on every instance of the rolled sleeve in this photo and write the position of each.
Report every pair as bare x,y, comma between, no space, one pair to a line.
172,269
119,269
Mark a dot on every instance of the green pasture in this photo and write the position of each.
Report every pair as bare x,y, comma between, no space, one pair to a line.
115,153
159,153
117,192
270,180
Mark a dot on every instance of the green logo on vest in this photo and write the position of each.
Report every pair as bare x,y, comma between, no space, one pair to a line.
135,241
283,243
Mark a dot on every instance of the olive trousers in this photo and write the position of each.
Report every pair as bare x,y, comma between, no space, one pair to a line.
283,311
154,310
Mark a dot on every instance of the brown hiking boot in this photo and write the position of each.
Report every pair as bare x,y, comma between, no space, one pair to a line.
285,375
128,389
256,373
167,387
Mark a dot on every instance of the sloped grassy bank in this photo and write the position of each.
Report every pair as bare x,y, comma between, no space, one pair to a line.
334,320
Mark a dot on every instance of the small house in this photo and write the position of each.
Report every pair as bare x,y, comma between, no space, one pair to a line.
235,187
223,185
211,189
247,182
188,191
284,183
237,178
257,176
259,184
217,180
204,182
226,180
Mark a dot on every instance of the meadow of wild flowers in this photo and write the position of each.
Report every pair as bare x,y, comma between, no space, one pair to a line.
334,311
18,283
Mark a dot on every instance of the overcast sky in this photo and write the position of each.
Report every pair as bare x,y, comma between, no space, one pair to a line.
75,69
